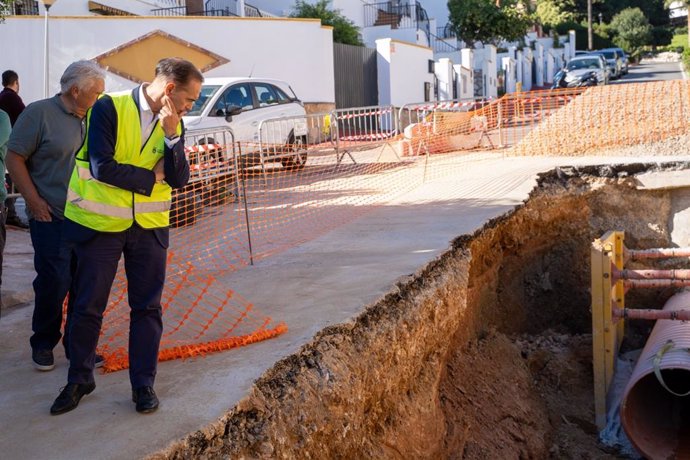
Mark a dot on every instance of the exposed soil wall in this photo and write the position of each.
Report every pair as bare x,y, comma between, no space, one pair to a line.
483,353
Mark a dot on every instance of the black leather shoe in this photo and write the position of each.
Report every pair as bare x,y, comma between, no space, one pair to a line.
70,396
145,399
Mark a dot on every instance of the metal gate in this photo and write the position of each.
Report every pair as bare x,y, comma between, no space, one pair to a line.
356,79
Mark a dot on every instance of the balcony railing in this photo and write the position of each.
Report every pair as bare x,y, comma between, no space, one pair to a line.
252,11
22,8
211,8
439,45
396,15
445,31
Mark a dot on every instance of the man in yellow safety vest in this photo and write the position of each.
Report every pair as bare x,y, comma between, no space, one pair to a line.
118,203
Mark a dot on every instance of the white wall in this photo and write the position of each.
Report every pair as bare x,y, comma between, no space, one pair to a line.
527,74
403,70
303,56
383,68
444,71
508,65
455,56
490,71
539,59
371,34
465,82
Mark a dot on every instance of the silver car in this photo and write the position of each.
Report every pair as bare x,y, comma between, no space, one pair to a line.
613,61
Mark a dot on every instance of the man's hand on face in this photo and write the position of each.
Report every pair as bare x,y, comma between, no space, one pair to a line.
168,117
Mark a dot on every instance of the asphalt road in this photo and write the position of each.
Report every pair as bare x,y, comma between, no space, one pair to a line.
652,71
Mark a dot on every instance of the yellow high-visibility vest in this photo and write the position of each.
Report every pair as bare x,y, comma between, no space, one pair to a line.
107,208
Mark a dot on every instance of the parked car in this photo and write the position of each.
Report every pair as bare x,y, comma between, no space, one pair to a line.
614,62
623,56
241,105
582,71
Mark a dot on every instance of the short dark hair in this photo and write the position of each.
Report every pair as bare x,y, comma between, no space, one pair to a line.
179,70
9,77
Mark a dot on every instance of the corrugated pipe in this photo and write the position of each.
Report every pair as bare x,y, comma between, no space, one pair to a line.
656,402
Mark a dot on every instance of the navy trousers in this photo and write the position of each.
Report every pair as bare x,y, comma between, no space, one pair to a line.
53,265
97,259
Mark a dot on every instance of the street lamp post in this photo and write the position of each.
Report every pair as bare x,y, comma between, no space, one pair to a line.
46,65
590,39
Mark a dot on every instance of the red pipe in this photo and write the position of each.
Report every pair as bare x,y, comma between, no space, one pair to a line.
657,253
639,313
651,274
655,283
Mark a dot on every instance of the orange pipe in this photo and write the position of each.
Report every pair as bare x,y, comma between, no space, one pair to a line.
653,417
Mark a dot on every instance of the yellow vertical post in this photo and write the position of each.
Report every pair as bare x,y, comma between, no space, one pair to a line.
606,253
619,288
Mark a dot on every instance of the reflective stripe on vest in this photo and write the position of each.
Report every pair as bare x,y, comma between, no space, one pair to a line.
116,211
104,207
98,208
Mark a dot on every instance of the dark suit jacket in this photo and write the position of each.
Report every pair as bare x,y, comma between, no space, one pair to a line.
102,136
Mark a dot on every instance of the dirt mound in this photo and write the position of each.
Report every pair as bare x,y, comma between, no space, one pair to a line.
612,116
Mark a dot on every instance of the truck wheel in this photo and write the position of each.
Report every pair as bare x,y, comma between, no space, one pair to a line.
298,160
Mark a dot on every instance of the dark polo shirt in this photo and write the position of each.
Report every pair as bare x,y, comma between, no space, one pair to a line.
11,103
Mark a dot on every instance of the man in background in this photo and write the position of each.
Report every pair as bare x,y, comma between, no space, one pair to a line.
40,159
12,104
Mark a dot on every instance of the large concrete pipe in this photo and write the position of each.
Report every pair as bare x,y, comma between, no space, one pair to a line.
655,411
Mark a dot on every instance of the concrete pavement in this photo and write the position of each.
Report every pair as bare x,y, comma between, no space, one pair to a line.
326,281
18,269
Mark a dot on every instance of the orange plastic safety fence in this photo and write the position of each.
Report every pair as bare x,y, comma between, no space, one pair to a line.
309,175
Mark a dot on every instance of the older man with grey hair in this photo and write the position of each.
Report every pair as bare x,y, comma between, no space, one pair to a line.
40,159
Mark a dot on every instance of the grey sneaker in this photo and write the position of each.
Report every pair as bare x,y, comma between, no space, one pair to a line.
43,360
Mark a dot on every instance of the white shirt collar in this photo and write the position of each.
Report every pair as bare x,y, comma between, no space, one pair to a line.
143,103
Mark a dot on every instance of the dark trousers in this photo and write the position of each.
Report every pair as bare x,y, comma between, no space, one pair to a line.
53,265
97,260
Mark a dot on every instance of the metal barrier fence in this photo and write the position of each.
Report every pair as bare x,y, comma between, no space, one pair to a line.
213,167
362,128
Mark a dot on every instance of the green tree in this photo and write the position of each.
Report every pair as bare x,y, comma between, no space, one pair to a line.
632,30
549,13
344,31
488,21
5,7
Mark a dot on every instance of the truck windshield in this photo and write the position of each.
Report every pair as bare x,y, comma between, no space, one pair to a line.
207,92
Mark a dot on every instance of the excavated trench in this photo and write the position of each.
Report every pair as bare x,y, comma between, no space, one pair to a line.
483,353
